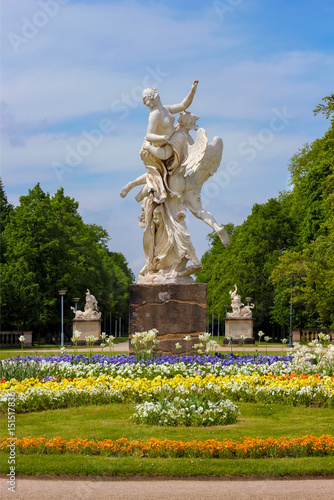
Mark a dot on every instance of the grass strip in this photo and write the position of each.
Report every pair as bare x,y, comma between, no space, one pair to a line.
71,466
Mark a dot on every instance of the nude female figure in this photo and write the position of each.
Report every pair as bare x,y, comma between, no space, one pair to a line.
161,122
159,131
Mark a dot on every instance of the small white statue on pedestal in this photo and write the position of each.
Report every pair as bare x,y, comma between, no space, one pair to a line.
91,311
238,308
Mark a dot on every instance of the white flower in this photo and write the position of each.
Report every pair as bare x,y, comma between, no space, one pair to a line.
91,338
63,350
187,338
260,334
178,346
21,338
205,337
267,339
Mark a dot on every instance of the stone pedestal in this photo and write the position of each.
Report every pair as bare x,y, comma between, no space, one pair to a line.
175,310
87,327
237,327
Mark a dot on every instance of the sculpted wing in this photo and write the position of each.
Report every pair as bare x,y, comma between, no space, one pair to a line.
203,158
196,152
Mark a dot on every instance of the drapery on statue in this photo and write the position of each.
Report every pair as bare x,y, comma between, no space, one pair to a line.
238,308
90,311
177,168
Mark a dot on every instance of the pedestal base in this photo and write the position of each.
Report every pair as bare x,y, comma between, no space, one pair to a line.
237,327
175,310
87,327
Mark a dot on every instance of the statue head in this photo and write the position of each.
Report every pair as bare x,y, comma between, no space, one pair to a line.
150,97
157,216
188,121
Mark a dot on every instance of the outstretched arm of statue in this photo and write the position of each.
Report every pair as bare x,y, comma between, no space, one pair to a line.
178,108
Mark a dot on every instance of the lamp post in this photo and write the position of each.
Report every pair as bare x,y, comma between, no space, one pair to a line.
76,300
290,338
248,299
62,293
226,307
212,323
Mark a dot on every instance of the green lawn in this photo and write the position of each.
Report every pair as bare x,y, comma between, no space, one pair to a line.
55,465
10,352
37,350
113,422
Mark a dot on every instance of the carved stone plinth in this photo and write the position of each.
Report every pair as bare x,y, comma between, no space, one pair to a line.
174,310
87,327
237,327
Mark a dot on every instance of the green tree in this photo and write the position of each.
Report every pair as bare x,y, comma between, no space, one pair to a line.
311,266
311,174
48,248
5,207
5,211
326,109
249,259
312,271
300,221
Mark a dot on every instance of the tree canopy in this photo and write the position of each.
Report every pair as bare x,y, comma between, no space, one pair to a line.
249,259
287,238
326,109
5,210
48,247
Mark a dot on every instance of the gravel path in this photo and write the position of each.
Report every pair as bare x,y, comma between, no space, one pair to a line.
164,489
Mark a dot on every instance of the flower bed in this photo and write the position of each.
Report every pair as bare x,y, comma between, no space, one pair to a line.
35,395
306,446
310,359
127,366
40,383
189,411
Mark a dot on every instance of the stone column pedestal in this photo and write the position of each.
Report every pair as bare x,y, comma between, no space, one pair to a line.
237,327
175,310
87,327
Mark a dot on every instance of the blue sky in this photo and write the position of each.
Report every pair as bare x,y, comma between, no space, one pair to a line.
72,72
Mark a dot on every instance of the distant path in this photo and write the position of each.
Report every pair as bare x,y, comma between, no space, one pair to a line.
124,347
166,489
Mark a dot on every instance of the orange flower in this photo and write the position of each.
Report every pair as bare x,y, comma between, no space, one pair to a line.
246,447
